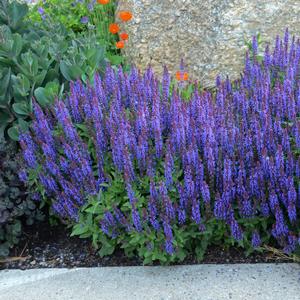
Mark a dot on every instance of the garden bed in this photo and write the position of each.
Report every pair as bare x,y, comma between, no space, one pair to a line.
51,247
155,169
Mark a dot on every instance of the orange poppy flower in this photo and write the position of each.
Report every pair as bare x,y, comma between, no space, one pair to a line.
124,36
103,2
125,16
185,76
182,76
178,75
114,28
120,44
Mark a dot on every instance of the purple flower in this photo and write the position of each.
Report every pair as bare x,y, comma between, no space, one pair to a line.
84,20
41,10
181,215
280,228
221,208
30,158
254,46
291,244
91,5
255,241
169,238
23,176
233,151
205,193
196,216
108,224
265,210
236,231
153,214
49,184
136,219
167,203
169,165
121,219
49,152
246,207
189,184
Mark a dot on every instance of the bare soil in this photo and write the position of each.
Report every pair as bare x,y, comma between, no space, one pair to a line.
44,246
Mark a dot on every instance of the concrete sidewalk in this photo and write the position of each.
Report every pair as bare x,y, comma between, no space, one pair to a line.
201,282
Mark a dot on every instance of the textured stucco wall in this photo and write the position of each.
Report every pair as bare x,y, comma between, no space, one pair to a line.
209,34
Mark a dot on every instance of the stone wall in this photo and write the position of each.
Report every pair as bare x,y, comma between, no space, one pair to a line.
209,34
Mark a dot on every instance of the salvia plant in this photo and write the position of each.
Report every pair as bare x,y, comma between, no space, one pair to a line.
132,165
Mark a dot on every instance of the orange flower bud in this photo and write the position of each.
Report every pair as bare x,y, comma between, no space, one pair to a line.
114,28
103,2
178,75
185,76
124,36
182,76
120,44
125,16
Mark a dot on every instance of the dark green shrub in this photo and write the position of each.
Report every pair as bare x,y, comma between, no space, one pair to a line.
16,205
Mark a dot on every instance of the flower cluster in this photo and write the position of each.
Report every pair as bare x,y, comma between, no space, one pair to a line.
231,155
124,16
182,75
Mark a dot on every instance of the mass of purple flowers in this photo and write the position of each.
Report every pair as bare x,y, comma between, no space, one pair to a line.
237,147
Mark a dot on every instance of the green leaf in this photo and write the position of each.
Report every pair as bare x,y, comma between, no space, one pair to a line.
23,125
147,261
5,120
21,108
17,12
46,95
116,59
39,79
181,254
2,130
79,229
17,227
51,75
70,72
106,249
29,64
94,209
21,85
95,240
4,85
200,253
135,240
13,133
96,55
17,44
4,250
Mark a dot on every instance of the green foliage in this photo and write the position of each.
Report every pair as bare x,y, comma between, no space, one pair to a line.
16,206
12,14
62,12
70,12
149,244
39,61
249,44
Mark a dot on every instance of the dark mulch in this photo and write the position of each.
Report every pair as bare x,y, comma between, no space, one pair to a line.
51,247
